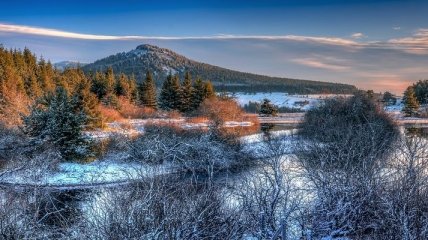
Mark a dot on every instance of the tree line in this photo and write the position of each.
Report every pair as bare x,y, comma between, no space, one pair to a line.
54,107
24,80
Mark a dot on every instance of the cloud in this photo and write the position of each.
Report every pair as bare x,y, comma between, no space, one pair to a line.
28,30
358,35
325,63
416,44
396,28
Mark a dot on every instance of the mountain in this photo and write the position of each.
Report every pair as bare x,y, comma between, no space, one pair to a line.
161,61
67,64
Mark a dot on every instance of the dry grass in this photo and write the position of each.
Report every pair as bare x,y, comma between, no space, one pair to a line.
110,114
198,119
132,111
174,114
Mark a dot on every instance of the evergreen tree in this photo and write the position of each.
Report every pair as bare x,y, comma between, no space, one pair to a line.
370,94
54,119
148,92
31,84
99,86
198,94
122,86
267,108
186,94
87,102
389,99
411,104
169,98
421,91
209,90
109,81
133,89
45,76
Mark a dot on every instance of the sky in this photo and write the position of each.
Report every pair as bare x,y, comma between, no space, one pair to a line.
380,45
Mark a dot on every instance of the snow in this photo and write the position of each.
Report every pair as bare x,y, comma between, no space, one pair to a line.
259,137
139,52
72,174
256,146
284,100
396,108
169,70
136,126
114,169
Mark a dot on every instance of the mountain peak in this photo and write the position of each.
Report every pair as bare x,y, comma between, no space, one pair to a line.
147,47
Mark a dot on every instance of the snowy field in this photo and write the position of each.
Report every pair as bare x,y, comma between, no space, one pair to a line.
134,127
284,100
115,169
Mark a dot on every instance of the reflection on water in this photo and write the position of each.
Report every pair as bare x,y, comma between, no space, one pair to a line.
416,130
266,129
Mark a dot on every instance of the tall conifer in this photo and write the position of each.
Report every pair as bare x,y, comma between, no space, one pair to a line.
148,92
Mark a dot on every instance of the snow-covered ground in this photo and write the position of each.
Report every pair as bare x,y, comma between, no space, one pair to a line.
111,170
134,127
284,100
396,108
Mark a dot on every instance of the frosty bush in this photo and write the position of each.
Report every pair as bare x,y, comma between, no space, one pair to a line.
55,120
367,181
194,151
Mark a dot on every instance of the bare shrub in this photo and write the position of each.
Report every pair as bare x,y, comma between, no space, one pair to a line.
405,198
192,150
12,144
161,208
345,146
268,196
220,110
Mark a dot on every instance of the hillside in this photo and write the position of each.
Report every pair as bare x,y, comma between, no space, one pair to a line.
161,61
67,64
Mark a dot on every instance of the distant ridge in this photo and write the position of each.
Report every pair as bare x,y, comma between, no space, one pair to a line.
68,64
161,61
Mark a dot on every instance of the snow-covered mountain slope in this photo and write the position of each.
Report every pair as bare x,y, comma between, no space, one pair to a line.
68,64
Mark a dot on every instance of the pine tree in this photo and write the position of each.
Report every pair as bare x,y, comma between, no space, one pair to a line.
87,102
198,94
411,104
169,98
186,94
209,90
45,75
54,119
122,86
110,81
31,84
267,108
148,92
99,86
389,99
133,89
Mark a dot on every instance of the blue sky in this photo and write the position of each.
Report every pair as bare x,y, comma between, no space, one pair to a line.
381,45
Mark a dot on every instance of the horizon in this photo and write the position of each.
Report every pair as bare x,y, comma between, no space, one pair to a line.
380,45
